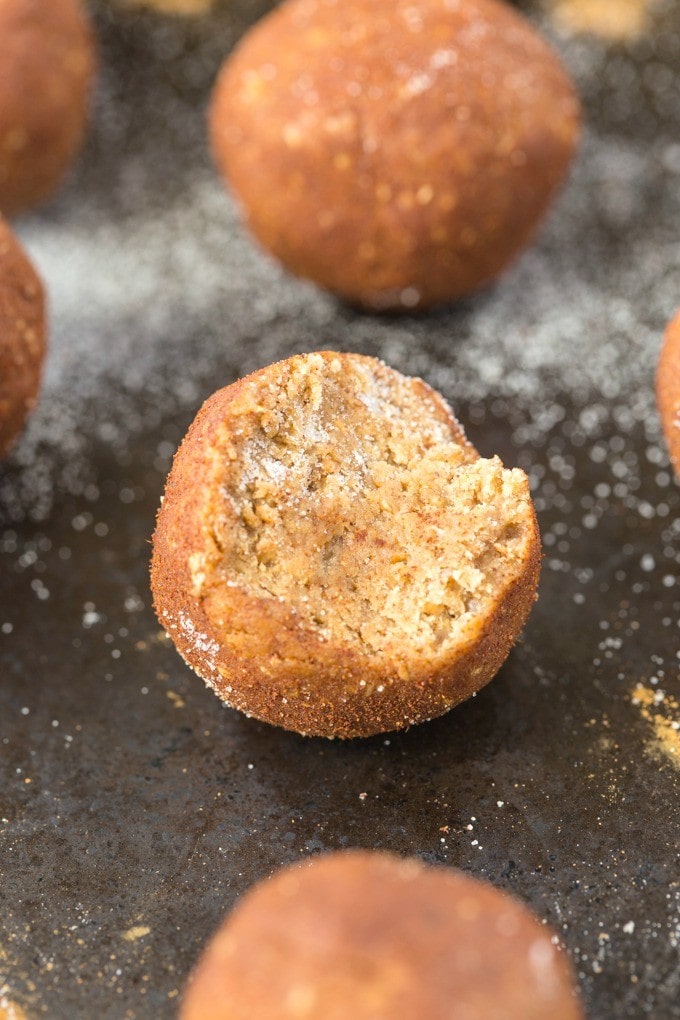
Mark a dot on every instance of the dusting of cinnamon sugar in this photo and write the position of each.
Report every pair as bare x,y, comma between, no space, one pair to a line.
619,20
662,711
138,931
177,699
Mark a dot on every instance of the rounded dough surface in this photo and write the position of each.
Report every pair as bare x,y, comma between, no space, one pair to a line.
369,935
47,62
399,153
22,337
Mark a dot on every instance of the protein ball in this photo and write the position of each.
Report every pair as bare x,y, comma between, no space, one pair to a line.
22,337
399,153
47,61
367,935
334,557
668,390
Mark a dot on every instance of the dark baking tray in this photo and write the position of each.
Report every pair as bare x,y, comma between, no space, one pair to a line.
134,809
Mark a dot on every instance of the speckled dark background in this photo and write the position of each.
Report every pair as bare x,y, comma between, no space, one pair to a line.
133,807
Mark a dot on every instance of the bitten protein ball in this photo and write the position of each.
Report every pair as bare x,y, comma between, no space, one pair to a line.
47,61
369,935
399,153
22,337
668,390
334,557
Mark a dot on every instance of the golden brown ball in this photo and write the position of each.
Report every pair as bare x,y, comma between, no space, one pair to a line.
47,62
374,937
397,152
22,337
333,556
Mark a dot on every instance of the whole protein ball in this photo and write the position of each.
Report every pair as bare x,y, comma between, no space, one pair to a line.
668,390
22,337
332,555
369,935
399,153
47,62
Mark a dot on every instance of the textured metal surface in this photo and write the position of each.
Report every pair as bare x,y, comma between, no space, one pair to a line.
133,807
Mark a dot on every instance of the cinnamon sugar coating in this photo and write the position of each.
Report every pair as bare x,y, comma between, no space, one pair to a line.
47,61
369,935
22,337
331,554
668,390
399,153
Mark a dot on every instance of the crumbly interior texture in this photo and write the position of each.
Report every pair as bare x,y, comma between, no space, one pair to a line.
348,492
